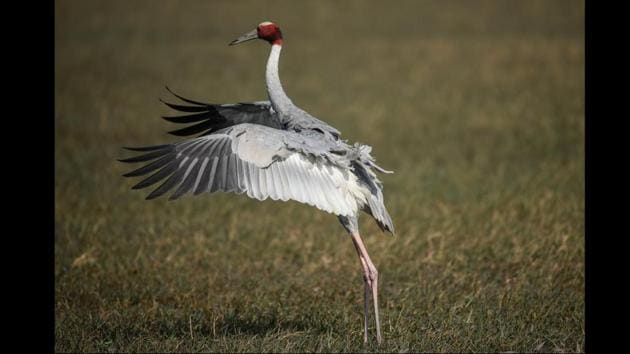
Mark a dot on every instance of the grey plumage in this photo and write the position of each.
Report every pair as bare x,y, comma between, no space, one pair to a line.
263,161
267,149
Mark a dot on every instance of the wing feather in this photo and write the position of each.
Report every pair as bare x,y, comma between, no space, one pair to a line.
311,190
202,169
278,181
324,189
161,162
158,176
262,182
188,180
212,163
254,186
209,117
282,172
174,179
212,174
271,183
218,182
242,176
299,189
318,188
231,184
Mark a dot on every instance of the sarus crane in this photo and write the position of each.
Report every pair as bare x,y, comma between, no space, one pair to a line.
271,149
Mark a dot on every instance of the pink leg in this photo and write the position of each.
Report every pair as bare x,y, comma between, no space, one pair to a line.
370,277
366,293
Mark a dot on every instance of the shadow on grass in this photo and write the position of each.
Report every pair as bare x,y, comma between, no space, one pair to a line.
251,323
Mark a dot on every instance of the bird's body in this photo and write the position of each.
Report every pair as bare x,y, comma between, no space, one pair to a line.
270,149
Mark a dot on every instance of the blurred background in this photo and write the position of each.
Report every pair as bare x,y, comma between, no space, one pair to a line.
478,107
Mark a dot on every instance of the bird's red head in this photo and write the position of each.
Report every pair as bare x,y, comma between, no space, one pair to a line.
270,32
267,31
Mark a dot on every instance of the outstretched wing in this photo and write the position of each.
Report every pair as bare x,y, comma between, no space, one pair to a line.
209,118
250,159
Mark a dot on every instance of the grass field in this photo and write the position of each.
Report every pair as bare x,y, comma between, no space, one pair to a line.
476,105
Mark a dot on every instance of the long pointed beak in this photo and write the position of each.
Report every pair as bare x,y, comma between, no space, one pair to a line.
246,37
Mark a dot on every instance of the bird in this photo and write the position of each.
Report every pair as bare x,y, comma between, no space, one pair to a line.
270,149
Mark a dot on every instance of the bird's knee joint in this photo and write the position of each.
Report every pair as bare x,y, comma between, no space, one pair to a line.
373,274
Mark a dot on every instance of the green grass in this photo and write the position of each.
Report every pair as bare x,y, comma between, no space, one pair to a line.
477,106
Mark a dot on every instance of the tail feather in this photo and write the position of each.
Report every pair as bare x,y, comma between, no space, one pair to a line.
380,214
375,200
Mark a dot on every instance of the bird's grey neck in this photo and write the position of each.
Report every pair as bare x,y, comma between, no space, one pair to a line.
279,100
